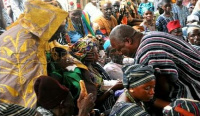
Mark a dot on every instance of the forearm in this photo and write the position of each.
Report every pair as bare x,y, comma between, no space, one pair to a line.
160,103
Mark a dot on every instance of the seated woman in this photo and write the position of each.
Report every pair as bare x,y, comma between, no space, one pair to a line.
86,50
139,83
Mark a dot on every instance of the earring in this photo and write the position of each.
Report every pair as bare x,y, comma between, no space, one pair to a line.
132,91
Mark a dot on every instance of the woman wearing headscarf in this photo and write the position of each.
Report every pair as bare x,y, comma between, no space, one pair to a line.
86,50
139,83
143,5
148,21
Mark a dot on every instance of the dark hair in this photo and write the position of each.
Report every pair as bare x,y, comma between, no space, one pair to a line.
162,2
120,32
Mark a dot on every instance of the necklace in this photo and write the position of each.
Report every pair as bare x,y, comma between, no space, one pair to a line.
129,96
132,100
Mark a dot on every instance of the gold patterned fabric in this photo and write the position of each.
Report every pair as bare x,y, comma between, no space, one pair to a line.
22,52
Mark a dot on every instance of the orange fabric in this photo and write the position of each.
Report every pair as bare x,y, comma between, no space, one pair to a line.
124,20
108,25
173,1
103,31
183,112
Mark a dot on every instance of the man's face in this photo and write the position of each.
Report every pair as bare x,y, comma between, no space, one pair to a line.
194,37
179,2
123,47
76,15
167,7
193,2
107,10
116,56
177,32
116,6
144,92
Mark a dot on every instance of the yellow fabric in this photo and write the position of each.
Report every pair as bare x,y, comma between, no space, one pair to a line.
22,51
70,25
106,24
54,44
173,1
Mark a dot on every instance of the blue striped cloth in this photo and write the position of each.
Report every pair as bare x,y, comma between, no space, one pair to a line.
128,109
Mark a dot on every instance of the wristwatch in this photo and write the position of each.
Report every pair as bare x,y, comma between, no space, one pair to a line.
111,91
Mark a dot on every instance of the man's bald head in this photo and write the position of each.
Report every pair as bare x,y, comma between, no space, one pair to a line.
120,32
125,39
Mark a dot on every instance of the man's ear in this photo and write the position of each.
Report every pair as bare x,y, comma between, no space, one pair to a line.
129,40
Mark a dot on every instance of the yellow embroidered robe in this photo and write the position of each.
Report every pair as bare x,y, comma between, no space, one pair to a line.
22,52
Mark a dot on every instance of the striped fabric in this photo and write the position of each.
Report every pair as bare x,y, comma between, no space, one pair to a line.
15,110
136,75
161,23
180,13
175,58
128,109
191,106
196,47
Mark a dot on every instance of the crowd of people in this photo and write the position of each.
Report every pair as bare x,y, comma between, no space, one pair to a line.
109,58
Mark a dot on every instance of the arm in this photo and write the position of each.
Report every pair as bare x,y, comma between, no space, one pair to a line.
106,94
160,103
159,24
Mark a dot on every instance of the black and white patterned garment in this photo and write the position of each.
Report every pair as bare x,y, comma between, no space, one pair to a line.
128,109
175,58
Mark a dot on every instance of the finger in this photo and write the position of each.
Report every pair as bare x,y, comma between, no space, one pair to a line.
81,96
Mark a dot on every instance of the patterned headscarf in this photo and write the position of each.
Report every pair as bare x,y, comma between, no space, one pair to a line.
136,75
83,45
145,7
182,107
148,8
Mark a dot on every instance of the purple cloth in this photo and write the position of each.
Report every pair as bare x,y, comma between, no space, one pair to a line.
119,92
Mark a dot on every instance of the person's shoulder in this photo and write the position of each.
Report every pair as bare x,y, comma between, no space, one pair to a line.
119,107
161,17
157,35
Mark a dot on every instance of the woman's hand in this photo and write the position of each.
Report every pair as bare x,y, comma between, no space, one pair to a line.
117,86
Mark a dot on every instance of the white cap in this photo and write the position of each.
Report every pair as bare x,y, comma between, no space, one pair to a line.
192,27
192,17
